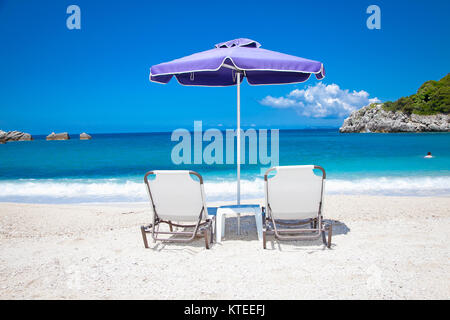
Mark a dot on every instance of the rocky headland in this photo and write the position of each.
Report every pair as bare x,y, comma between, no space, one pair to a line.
374,118
428,110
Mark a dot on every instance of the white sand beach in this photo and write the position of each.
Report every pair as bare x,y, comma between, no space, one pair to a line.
383,248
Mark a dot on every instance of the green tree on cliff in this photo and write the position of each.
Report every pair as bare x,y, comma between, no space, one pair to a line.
432,97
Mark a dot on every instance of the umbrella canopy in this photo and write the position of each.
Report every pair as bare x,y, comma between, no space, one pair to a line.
232,61
259,66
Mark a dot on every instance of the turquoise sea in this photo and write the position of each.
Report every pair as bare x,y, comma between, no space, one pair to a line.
110,167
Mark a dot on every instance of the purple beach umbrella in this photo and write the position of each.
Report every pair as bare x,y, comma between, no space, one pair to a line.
229,63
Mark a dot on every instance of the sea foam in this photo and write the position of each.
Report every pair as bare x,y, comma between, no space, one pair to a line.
117,190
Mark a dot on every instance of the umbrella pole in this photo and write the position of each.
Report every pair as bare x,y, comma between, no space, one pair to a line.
238,135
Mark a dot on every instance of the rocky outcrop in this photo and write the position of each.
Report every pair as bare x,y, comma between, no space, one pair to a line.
85,136
373,118
58,136
14,136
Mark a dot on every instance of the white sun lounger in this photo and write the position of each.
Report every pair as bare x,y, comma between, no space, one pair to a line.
176,196
294,196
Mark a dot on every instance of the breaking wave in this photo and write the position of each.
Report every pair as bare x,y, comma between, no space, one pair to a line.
122,190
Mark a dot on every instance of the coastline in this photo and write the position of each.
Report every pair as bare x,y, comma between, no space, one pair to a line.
383,248
132,190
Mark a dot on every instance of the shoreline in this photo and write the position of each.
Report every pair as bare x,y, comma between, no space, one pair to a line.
383,248
128,190
213,203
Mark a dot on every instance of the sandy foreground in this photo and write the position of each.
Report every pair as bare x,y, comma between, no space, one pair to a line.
383,248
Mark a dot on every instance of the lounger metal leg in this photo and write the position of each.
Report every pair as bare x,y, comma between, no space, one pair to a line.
144,237
264,239
205,234
330,231
170,226
211,229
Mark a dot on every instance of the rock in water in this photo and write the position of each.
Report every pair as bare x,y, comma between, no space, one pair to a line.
58,136
85,136
14,136
374,118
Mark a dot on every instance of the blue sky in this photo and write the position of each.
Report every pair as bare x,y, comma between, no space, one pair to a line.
96,79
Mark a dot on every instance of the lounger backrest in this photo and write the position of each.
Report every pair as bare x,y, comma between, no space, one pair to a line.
295,192
176,195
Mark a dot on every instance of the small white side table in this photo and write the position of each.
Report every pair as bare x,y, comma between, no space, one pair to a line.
237,210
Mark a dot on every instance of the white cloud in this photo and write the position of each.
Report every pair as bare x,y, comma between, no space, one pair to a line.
280,102
321,101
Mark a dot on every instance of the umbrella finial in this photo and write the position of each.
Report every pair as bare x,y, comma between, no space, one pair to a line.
241,42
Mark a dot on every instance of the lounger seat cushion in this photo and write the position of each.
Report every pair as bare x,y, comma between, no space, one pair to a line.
177,196
294,187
